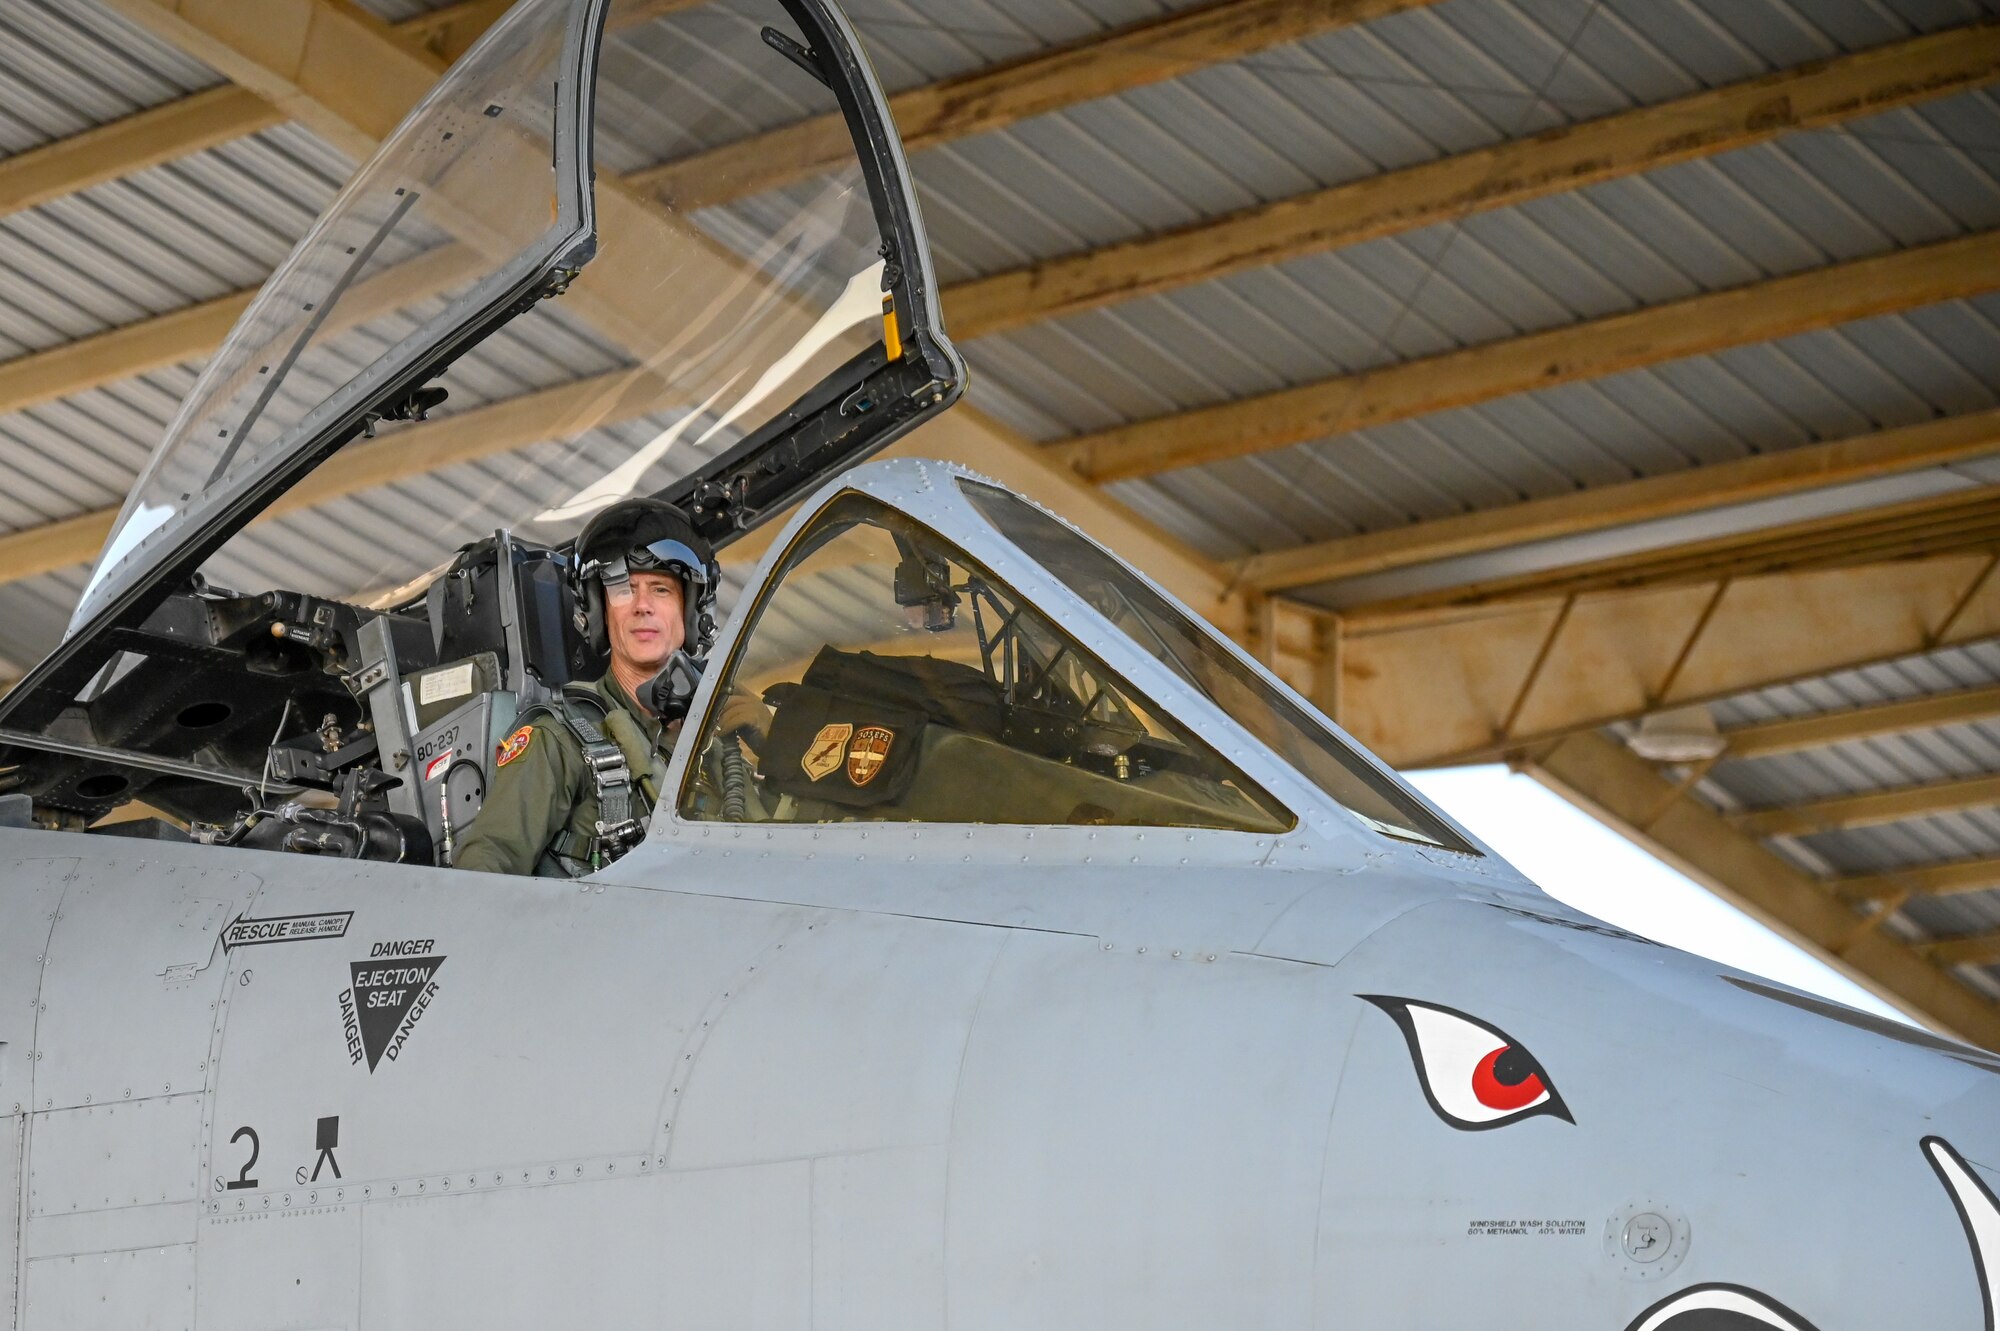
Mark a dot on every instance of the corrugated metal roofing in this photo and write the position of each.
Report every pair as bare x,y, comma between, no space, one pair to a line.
65,69
1543,265
162,239
1393,93
1887,762
1892,681
1757,399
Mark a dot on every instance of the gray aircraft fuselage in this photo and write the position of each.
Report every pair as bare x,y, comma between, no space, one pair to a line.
740,1083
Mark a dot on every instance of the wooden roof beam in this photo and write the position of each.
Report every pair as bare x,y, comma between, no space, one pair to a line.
1699,489
144,139
1972,950
1871,809
448,32
1957,519
1568,157
1628,795
192,332
1768,738
202,120
984,100
52,545
328,64
189,333
1438,689
1699,325
1947,879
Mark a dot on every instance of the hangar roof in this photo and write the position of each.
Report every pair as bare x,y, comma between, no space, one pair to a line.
1506,372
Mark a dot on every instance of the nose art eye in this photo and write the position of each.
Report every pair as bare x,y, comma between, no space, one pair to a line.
1474,1075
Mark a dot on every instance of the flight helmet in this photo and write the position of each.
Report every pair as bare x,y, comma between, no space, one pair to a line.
644,536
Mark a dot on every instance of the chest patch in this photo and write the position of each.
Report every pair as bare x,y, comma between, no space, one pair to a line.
514,745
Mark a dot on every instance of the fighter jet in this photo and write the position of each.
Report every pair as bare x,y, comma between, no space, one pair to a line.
1048,963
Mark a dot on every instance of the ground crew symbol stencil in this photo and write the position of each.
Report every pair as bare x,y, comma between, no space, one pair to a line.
326,1139
391,992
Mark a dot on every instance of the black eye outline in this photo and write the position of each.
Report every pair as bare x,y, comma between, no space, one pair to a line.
1698,1299
1402,1011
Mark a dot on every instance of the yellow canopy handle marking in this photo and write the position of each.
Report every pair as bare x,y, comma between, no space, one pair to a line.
892,337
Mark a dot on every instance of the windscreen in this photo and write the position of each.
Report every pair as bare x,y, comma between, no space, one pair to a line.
887,676
464,198
1191,651
715,308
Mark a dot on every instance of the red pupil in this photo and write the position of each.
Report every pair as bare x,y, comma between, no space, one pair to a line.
1507,1079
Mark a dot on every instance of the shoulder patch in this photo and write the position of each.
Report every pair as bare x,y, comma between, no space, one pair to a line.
514,745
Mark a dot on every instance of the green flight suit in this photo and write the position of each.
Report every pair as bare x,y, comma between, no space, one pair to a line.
544,799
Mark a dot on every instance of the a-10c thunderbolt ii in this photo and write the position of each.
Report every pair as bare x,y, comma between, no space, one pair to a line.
1047,964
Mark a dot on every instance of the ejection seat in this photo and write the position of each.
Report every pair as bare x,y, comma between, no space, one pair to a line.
503,637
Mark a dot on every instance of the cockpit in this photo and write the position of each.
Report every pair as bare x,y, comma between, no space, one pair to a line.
909,683
914,680
549,291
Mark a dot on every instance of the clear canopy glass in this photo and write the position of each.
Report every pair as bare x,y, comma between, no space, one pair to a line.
705,317
469,195
1185,646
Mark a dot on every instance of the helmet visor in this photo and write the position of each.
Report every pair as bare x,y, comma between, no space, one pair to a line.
665,554
622,591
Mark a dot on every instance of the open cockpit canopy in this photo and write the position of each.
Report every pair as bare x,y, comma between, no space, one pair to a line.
557,284
719,340
479,201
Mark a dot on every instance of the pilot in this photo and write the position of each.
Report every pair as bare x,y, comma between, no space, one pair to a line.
573,785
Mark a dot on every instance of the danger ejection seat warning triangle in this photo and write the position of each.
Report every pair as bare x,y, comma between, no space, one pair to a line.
389,995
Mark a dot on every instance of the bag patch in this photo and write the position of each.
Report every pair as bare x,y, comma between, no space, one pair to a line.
868,752
822,756
515,745
847,751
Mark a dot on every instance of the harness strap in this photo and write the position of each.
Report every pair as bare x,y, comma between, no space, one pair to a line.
618,827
